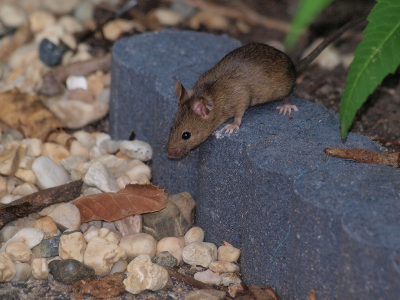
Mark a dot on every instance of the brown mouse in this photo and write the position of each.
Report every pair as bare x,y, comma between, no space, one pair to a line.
250,75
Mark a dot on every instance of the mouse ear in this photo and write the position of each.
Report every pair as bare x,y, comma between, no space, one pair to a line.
181,92
200,107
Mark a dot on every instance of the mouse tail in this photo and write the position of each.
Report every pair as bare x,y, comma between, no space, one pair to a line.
302,64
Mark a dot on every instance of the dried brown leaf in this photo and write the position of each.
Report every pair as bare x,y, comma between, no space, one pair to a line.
27,114
106,287
134,199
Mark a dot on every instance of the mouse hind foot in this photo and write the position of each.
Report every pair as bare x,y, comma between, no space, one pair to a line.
230,128
287,106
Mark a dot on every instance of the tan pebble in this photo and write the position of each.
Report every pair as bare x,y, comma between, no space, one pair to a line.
228,253
70,24
40,19
119,154
173,245
69,40
9,160
194,234
18,251
110,236
26,175
12,15
81,94
167,17
223,267
25,162
129,225
78,149
24,189
48,226
107,79
55,151
72,246
95,83
139,243
210,20
40,270
8,268
112,30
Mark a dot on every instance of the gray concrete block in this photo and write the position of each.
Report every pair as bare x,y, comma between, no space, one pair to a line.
303,220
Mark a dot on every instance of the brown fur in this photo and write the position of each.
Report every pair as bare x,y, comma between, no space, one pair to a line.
250,75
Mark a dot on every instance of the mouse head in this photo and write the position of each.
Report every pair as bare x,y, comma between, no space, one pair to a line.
192,123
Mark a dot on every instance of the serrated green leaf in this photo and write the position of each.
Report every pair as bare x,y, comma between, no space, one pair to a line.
306,12
377,55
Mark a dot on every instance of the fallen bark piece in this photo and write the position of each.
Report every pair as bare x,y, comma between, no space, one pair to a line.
106,287
27,114
54,79
134,199
366,156
37,201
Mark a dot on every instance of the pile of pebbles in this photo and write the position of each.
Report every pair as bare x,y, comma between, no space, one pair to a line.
54,240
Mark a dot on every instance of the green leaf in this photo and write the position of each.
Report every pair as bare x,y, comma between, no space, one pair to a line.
306,12
377,55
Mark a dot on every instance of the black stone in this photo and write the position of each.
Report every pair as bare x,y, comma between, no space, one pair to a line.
51,54
70,271
47,247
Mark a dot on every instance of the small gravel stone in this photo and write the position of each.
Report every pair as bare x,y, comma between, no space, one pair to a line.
119,266
12,15
208,277
8,269
9,161
228,253
67,216
206,295
91,232
111,236
172,245
199,254
48,247
137,149
70,271
51,54
76,82
84,11
40,19
18,251
72,246
29,236
116,166
55,151
40,269
26,175
48,226
129,225
165,259
98,176
7,232
72,162
23,272
85,138
77,148
194,234
223,267
144,275
137,244
230,278
48,173
101,255
136,170
70,24
33,147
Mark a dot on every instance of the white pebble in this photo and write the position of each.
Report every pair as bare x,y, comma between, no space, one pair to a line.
230,278
173,245
11,15
98,176
139,243
115,165
110,146
101,255
144,275
66,215
91,232
23,272
122,181
7,232
85,138
6,199
194,234
70,24
96,152
100,137
208,277
72,162
48,173
119,266
76,82
109,235
136,169
29,236
168,17
24,189
137,149
25,162
91,191
199,253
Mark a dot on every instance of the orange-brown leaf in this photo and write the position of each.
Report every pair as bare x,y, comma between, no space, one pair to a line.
134,199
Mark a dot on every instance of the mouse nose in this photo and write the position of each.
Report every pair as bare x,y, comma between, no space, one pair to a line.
176,152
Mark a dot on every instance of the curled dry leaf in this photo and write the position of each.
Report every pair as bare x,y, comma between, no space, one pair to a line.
27,114
106,287
366,156
227,244
134,199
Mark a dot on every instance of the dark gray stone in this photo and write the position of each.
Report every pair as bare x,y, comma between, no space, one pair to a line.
303,220
47,247
165,259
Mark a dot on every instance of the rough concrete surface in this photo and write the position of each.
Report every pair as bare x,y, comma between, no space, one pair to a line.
303,220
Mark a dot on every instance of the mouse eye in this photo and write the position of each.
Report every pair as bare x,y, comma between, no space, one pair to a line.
186,135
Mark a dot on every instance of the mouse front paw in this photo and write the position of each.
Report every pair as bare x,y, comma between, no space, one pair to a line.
287,108
230,128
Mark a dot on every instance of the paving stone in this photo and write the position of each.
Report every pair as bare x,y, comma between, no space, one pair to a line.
302,219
